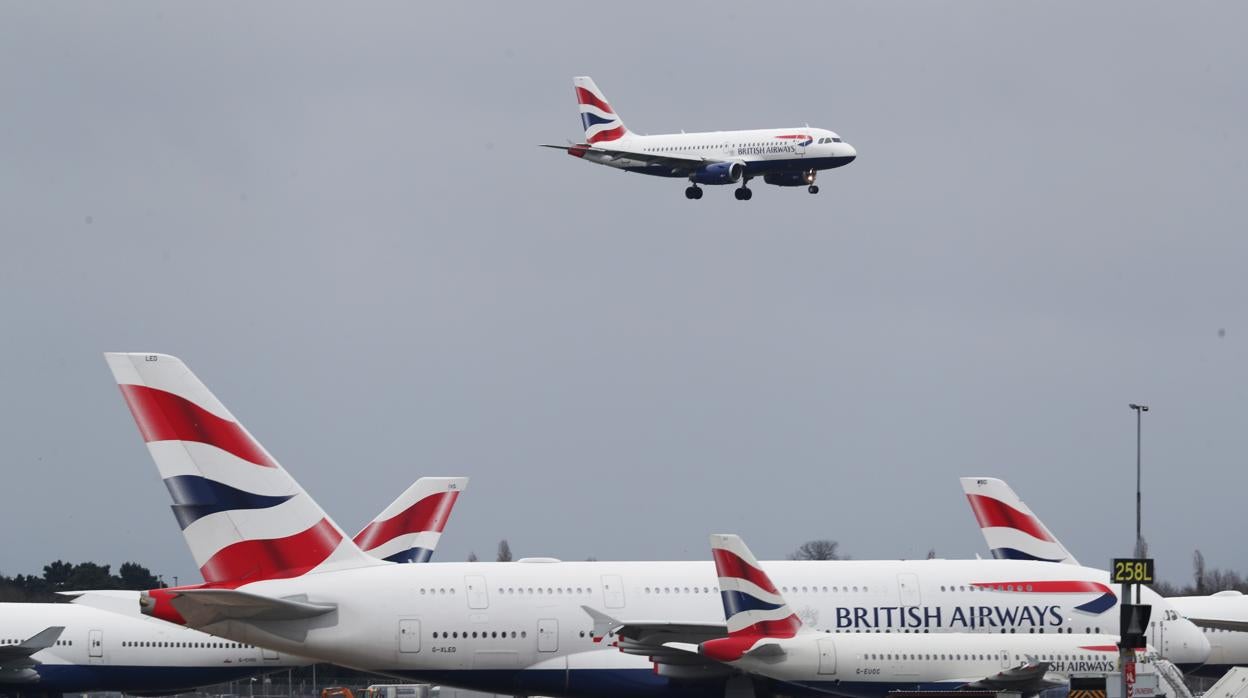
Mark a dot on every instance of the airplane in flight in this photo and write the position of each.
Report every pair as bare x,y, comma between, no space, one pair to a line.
785,157
765,637
1013,531
521,627
101,641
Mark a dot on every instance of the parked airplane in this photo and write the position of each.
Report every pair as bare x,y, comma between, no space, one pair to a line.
1013,531
766,637
519,628
101,642
785,157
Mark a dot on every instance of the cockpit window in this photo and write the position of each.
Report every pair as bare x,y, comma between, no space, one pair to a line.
837,140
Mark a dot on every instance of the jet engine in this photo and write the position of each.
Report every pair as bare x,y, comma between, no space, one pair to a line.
719,173
789,179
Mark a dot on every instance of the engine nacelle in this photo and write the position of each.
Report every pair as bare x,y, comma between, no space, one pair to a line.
719,173
789,179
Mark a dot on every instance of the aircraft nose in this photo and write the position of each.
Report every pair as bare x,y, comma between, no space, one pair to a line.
1193,645
848,153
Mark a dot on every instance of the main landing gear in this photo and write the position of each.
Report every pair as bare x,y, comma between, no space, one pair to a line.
743,192
693,192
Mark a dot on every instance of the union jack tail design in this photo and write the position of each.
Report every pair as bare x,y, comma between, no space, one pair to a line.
1010,529
408,530
753,607
244,517
601,122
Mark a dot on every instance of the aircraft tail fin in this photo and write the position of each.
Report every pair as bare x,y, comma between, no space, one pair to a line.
408,530
1009,527
243,516
601,122
752,604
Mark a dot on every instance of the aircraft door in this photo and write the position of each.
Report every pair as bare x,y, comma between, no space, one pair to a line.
268,655
827,656
1005,659
95,645
409,635
477,595
799,144
908,590
547,635
612,591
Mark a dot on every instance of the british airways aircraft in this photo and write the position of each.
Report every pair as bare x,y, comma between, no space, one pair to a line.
766,637
1012,531
785,157
101,641
290,580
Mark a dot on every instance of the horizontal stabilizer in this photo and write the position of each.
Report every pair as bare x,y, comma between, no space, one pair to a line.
36,643
121,601
1028,678
765,650
201,607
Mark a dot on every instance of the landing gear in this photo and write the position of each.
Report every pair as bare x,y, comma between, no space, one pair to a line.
693,193
810,179
742,193
813,189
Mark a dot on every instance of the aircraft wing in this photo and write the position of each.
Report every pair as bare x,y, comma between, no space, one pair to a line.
19,656
677,164
1030,678
201,607
1221,624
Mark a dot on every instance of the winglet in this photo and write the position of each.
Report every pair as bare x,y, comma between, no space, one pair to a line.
1009,527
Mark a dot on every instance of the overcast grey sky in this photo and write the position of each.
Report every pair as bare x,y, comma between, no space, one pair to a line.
337,215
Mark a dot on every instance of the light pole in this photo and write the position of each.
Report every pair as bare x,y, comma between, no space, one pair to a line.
1139,411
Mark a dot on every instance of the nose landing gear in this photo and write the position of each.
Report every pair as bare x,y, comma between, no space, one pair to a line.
810,180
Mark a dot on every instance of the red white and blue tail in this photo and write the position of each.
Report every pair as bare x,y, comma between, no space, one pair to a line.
1011,530
244,517
601,122
752,604
408,530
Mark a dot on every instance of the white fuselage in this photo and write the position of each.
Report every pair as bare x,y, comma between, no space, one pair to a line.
873,664
1227,648
519,627
762,150
120,650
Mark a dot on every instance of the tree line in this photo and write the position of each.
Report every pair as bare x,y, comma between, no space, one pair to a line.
65,576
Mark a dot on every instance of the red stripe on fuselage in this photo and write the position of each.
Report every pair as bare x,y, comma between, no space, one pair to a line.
275,558
608,135
584,96
993,513
728,564
163,416
429,514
